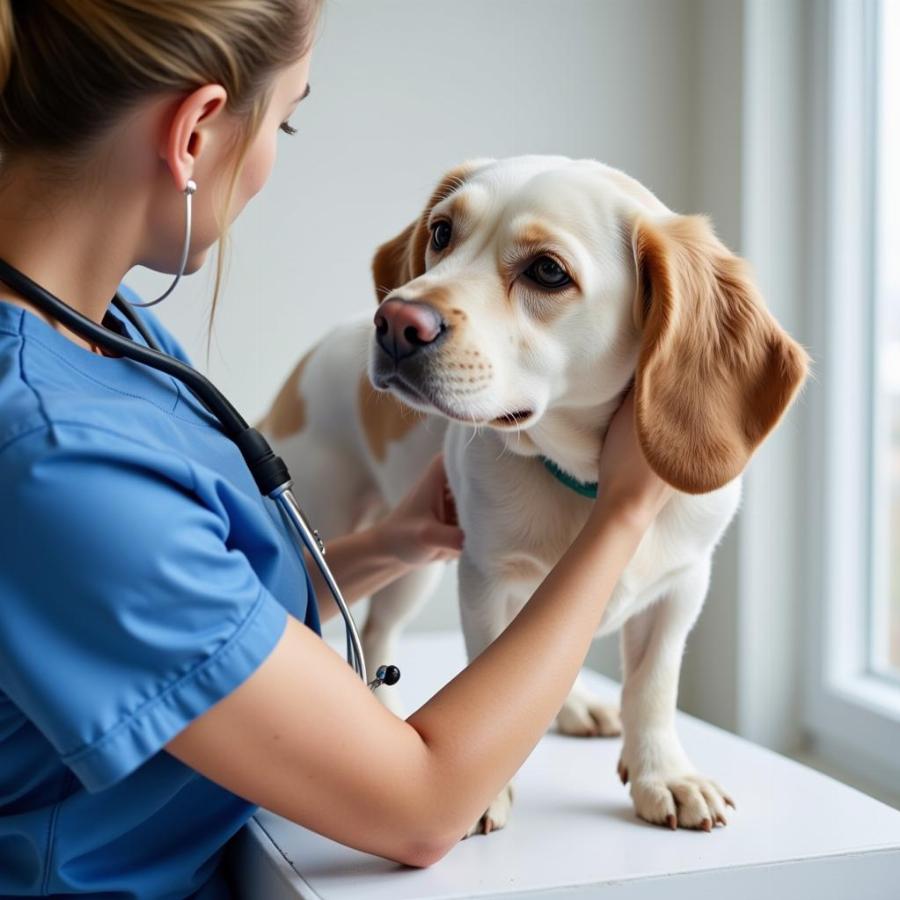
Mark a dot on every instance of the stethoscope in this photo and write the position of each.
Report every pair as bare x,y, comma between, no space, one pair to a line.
268,470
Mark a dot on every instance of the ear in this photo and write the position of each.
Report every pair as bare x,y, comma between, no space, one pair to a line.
402,258
715,371
392,264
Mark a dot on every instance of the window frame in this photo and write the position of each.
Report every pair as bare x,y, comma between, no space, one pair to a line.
880,593
852,712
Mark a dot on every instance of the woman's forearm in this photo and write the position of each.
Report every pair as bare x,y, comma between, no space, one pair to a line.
292,743
452,756
507,697
360,566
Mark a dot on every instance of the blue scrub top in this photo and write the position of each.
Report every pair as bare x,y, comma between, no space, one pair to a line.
142,578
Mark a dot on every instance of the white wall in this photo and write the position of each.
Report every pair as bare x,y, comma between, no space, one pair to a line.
401,91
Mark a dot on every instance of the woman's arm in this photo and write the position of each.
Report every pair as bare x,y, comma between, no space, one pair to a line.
360,565
305,738
420,529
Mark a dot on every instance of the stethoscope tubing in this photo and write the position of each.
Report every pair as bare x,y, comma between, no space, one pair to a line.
269,470
295,520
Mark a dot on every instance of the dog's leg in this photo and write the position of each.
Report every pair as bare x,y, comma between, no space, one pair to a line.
389,611
584,715
483,611
665,787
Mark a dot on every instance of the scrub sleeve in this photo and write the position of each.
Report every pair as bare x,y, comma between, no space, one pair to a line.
133,615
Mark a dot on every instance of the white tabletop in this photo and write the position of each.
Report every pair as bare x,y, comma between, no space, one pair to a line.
573,831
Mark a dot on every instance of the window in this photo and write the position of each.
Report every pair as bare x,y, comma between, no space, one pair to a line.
854,447
885,618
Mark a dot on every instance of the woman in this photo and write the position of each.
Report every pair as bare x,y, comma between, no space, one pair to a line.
159,674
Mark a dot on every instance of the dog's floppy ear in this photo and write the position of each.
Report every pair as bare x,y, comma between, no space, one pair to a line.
393,263
402,258
715,371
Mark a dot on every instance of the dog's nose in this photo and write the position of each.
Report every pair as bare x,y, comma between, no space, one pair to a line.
403,326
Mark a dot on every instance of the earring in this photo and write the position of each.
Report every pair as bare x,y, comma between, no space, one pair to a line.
188,193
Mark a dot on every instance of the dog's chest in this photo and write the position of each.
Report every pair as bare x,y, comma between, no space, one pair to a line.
519,520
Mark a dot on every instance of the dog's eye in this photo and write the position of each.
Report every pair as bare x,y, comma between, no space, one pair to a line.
441,232
548,273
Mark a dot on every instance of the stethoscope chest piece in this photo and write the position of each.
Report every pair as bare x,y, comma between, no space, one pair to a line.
385,675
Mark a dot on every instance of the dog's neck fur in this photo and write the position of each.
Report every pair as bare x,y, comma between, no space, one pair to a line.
570,436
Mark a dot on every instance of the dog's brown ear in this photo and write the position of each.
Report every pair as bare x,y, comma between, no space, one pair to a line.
715,371
402,258
392,264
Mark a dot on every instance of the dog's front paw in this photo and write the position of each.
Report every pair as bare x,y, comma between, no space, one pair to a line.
682,800
583,715
496,815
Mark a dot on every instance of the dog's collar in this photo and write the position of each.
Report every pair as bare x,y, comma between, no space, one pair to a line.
585,488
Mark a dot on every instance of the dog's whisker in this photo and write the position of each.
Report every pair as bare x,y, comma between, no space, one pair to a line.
474,431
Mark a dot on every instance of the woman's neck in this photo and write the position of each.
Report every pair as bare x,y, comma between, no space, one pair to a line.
77,244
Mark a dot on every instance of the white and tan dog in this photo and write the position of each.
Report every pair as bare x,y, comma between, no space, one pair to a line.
514,312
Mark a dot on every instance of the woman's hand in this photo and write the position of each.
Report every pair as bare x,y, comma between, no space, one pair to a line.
423,527
625,480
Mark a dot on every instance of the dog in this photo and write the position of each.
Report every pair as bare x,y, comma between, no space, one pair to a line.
513,314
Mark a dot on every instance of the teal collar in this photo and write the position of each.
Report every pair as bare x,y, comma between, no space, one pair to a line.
585,488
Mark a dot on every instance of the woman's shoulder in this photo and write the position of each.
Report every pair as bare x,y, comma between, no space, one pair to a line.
47,382
60,402
20,410
41,460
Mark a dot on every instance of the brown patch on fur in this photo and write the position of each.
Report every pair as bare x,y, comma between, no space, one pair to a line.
440,297
287,415
535,235
460,207
384,417
402,258
716,371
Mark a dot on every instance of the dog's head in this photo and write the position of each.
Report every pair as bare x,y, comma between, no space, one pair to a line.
539,284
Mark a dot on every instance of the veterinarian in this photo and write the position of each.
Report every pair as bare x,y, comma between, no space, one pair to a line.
161,666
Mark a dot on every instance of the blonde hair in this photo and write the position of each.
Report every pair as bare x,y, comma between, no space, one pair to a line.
70,68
